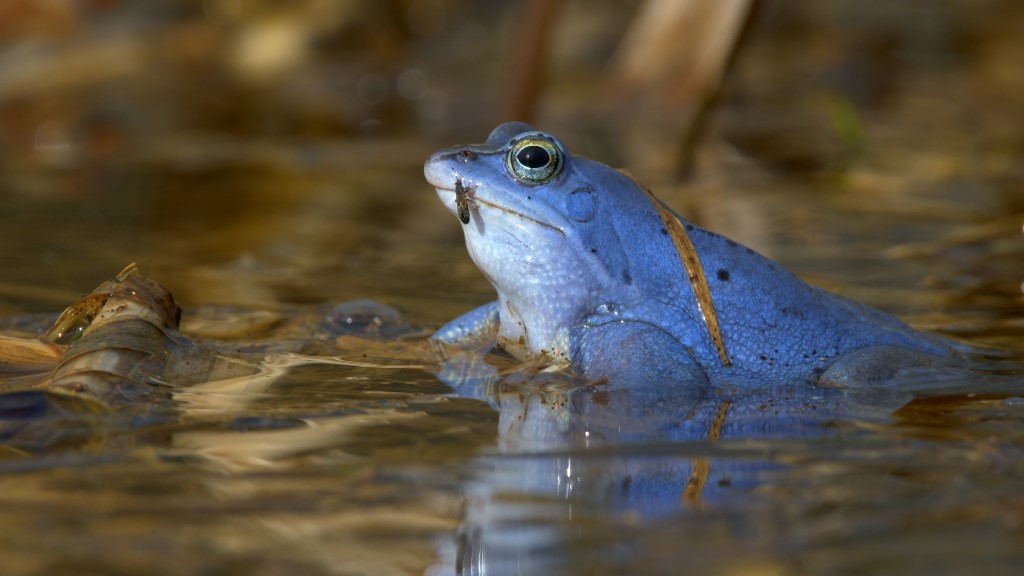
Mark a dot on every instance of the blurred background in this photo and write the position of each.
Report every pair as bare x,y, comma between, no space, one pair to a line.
262,153
258,155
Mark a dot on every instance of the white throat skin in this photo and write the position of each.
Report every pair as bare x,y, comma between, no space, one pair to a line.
540,241
545,285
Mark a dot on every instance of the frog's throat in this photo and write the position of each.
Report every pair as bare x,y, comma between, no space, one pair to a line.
507,210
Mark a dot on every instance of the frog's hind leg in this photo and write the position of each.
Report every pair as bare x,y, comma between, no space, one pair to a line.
636,355
900,370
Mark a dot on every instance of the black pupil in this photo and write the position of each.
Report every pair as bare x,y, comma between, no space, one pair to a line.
533,157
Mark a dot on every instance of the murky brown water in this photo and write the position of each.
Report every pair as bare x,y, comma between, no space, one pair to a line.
346,469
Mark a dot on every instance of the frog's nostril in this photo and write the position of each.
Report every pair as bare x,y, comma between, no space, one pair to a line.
467,155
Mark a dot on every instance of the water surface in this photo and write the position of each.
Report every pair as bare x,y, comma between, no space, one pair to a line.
260,210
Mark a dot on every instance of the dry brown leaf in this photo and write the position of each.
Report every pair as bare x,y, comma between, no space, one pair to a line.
28,354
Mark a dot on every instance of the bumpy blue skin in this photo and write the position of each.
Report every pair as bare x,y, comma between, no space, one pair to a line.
586,273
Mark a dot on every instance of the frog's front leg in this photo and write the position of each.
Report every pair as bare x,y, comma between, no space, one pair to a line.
462,342
636,355
474,330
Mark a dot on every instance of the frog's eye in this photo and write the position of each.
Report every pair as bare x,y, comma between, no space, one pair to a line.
534,160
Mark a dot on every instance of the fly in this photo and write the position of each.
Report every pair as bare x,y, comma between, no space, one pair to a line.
462,200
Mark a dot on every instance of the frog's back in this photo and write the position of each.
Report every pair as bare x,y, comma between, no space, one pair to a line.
586,271
774,325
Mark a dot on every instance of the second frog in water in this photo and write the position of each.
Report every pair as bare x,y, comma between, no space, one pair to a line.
587,274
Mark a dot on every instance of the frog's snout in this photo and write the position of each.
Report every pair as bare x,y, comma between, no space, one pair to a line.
438,173
442,175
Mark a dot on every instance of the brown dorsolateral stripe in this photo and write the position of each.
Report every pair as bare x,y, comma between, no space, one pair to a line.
694,272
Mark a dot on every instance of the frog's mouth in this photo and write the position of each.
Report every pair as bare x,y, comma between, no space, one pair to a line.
465,197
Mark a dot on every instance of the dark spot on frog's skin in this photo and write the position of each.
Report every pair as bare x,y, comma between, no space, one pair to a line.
529,197
723,275
689,227
749,251
626,482
731,243
626,277
664,231
593,250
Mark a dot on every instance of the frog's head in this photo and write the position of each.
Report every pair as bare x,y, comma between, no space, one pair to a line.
540,224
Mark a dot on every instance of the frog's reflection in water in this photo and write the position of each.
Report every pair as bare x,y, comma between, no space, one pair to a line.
576,466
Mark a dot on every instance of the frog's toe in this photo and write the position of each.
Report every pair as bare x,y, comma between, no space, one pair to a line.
469,375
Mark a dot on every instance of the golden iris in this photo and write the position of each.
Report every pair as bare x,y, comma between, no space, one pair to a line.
534,160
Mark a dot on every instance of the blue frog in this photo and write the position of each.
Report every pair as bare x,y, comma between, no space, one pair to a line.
587,275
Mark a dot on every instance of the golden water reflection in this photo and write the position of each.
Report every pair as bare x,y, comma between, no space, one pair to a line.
264,163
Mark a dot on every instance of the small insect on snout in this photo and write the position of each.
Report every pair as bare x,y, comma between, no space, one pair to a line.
462,200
